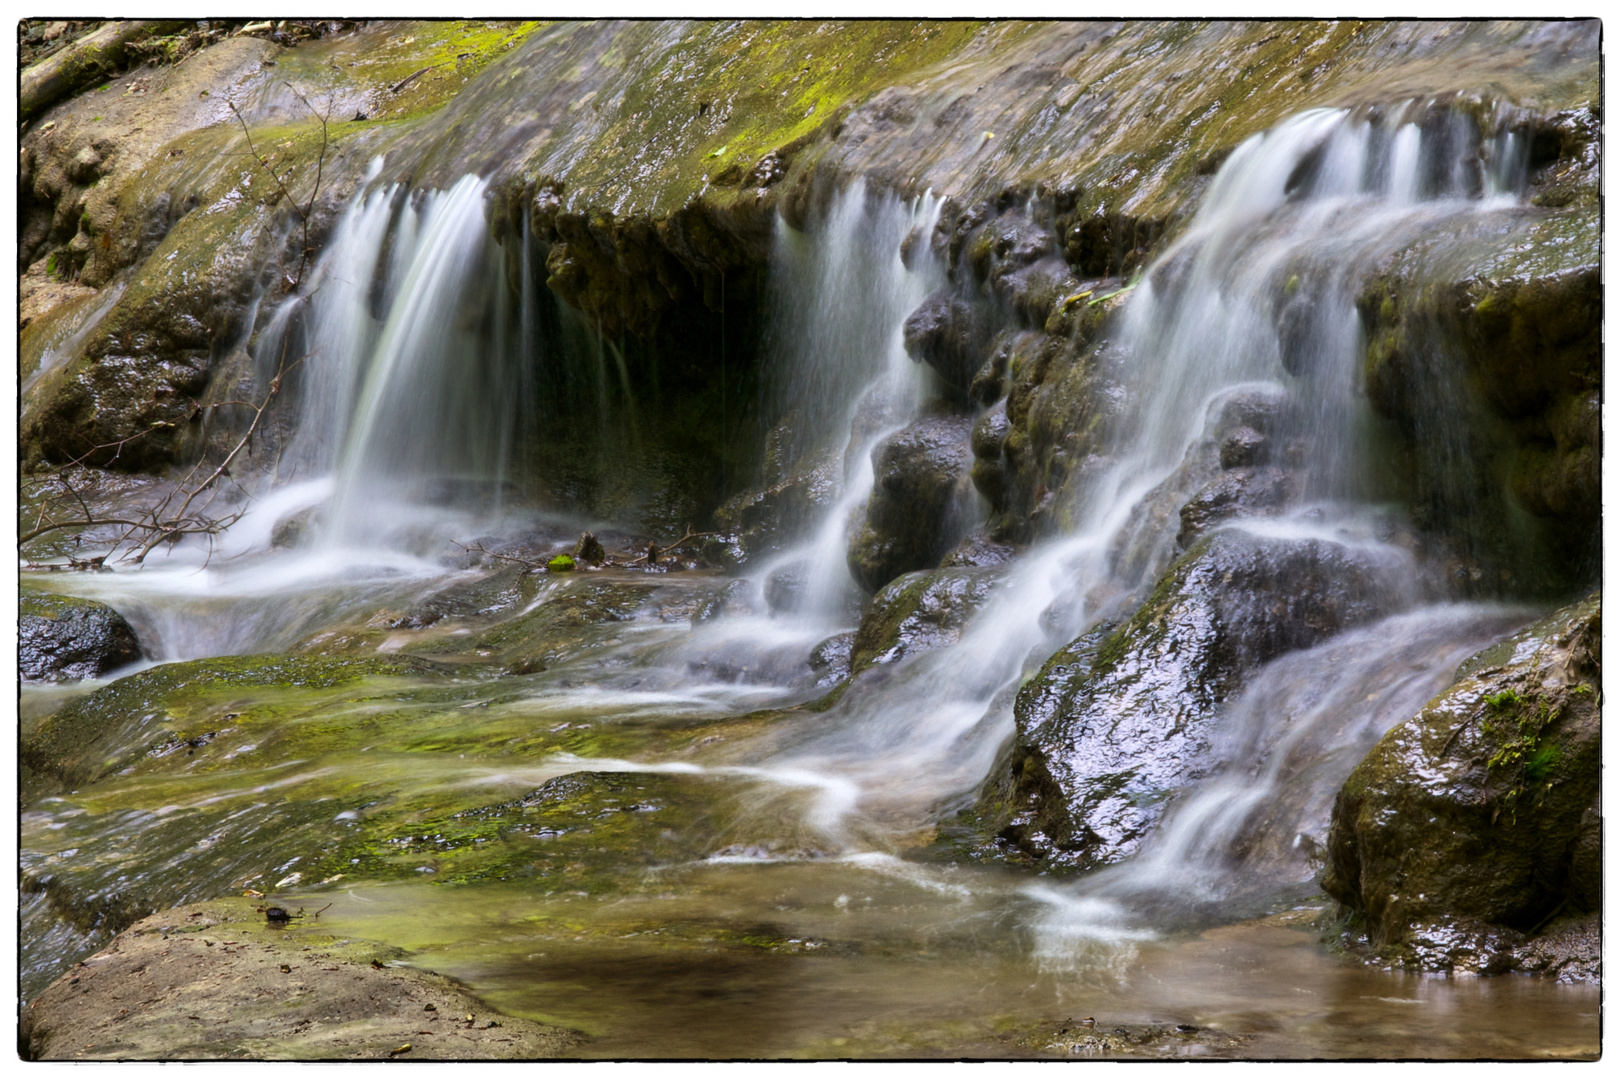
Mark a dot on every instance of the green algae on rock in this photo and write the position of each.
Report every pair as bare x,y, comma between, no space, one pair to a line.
94,736
1472,825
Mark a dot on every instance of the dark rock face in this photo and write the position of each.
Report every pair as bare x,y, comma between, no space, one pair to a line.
920,471
950,334
1116,722
1239,492
780,510
1479,816
64,637
919,612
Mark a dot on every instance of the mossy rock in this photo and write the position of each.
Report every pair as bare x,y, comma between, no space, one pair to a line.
1481,809
586,831
66,637
579,614
919,612
97,735
1503,335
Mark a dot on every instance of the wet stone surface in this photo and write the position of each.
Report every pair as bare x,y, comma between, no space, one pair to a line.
219,981
920,612
1118,721
64,637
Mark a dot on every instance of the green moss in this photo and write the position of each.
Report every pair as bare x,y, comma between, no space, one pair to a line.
1521,762
561,564
99,734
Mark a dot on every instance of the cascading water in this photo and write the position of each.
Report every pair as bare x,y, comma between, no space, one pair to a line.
842,297
1256,301
840,294
413,376
413,352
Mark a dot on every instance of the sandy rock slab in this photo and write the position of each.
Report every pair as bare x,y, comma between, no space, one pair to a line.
218,981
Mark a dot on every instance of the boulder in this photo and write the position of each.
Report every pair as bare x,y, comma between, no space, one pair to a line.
919,612
950,333
1118,721
920,473
1472,825
65,637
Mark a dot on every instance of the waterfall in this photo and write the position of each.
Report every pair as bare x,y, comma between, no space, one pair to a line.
1255,300
414,364
841,297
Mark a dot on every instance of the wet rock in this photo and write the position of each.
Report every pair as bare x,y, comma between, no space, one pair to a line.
1237,492
1242,447
292,530
1519,332
921,471
785,587
767,518
919,612
1032,451
950,334
64,637
1482,809
583,613
492,594
735,598
1569,950
978,550
1033,292
1118,721
990,382
830,659
337,1000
